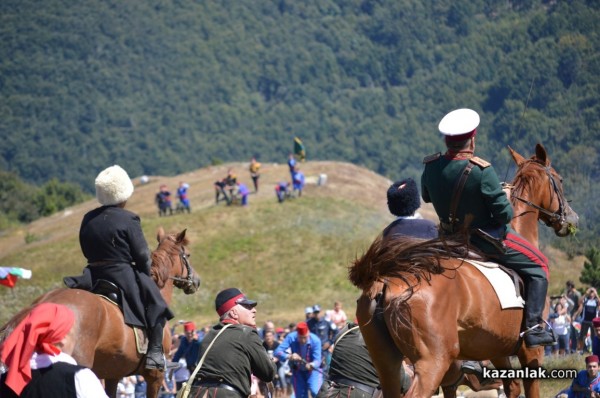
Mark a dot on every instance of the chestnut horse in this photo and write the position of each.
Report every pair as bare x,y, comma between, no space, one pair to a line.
419,300
105,343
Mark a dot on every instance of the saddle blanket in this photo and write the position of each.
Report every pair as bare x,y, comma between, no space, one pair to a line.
502,283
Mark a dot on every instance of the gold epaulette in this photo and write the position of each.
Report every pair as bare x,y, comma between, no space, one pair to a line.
480,162
431,158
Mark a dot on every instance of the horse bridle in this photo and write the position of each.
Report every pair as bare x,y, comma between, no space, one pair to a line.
553,217
188,280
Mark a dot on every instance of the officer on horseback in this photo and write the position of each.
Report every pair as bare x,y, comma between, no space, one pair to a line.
466,193
113,243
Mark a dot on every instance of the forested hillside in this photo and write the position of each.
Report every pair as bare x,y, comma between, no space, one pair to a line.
167,86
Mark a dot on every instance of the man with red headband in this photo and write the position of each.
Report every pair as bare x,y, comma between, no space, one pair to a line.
465,189
587,382
303,349
234,354
37,354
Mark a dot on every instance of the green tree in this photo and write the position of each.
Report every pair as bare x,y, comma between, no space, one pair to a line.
591,269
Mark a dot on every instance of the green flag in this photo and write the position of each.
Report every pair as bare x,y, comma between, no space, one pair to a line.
299,149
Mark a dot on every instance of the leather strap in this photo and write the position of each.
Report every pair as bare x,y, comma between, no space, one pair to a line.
456,194
193,375
216,384
341,381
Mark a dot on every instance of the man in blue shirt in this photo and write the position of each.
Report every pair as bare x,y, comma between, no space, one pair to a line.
297,181
587,382
303,349
189,347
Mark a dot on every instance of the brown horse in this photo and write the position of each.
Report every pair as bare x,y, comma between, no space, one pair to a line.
105,343
422,302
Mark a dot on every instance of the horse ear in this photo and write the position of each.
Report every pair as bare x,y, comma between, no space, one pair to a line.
541,154
160,234
181,236
516,157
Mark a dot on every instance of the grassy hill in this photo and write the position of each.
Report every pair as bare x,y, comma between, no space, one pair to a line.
286,255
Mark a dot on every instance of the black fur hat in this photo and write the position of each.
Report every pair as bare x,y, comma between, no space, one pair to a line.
403,198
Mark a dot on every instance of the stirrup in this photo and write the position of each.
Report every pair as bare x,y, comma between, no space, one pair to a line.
152,363
532,328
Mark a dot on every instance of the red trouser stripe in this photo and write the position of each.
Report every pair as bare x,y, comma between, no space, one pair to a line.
519,244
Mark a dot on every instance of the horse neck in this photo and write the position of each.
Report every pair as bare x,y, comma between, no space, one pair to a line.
160,260
167,291
525,222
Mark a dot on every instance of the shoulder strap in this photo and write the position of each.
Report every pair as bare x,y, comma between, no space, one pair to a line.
431,158
457,191
342,336
480,162
193,375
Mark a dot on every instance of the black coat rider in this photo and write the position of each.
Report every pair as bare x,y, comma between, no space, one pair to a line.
113,243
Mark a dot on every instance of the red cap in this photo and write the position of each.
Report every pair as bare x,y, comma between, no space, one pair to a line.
596,322
189,327
592,358
302,329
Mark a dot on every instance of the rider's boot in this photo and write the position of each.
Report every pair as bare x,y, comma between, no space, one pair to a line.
473,368
155,358
536,300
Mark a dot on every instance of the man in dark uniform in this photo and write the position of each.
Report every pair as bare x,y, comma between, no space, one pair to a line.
326,331
113,243
403,202
236,353
482,204
351,373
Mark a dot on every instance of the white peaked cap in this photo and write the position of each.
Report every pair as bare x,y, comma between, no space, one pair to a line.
459,122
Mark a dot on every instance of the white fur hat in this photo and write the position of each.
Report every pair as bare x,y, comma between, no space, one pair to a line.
113,186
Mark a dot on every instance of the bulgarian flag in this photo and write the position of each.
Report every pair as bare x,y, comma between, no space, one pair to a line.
9,275
299,149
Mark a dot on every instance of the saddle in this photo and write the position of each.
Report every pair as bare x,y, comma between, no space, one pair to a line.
108,290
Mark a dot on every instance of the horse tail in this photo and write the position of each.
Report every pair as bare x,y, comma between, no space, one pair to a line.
363,273
407,258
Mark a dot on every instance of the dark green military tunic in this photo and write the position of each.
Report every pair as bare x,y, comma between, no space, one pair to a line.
235,355
485,203
482,196
351,368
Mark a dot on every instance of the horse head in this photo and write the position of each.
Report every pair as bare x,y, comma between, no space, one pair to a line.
539,186
170,260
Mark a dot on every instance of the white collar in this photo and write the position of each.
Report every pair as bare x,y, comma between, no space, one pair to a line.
413,217
40,361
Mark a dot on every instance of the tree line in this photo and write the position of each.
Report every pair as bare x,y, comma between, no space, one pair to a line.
168,86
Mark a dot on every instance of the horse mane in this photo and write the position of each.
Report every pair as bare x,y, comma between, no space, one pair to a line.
168,247
409,259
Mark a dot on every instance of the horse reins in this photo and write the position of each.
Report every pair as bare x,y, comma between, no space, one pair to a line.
558,216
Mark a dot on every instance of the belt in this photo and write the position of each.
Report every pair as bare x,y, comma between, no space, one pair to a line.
216,384
107,262
354,384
